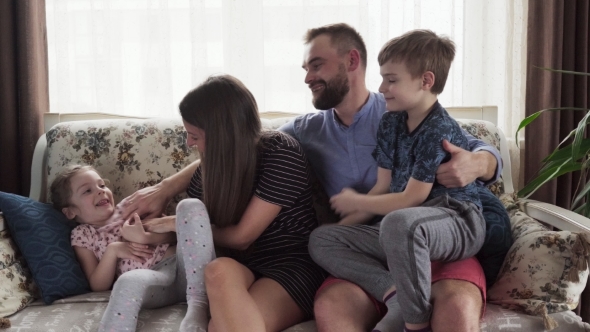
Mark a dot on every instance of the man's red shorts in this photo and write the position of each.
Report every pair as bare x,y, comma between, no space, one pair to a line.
468,270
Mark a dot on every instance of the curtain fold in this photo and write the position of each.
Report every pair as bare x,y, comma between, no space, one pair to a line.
24,92
557,38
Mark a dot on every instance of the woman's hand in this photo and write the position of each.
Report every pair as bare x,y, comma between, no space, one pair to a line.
130,250
163,224
148,203
344,203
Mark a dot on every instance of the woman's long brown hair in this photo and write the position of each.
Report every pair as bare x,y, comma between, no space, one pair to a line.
227,112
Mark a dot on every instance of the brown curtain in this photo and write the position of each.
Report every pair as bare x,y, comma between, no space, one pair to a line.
24,92
558,32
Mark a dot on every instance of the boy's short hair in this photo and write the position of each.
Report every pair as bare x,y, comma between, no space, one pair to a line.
61,189
421,51
343,36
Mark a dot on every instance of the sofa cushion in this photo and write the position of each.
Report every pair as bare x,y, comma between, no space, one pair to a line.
43,236
544,272
488,133
16,285
132,154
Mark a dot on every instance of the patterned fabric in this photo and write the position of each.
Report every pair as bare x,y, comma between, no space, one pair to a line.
131,154
16,285
97,240
42,235
539,271
419,154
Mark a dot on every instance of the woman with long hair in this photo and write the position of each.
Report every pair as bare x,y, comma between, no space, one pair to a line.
254,188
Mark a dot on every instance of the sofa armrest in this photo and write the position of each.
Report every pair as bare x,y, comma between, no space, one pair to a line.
38,173
555,216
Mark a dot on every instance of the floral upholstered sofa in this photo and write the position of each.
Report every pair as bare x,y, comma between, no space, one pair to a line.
538,287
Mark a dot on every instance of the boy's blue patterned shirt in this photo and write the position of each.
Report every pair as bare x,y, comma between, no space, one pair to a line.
419,153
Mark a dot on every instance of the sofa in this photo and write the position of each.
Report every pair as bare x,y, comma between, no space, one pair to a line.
538,288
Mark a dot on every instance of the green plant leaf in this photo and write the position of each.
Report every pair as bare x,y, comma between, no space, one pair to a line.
566,151
526,121
554,172
579,135
564,71
581,195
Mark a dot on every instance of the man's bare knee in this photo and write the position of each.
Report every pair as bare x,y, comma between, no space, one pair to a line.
457,306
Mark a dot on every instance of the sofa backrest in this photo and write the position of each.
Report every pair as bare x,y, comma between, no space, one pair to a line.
135,153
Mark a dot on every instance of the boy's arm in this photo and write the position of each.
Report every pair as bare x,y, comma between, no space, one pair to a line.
133,231
349,201
380,187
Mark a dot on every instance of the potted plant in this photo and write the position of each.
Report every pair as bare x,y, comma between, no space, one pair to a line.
572,154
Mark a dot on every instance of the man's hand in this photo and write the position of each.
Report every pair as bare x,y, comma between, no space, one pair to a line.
148,203
464,167
344,203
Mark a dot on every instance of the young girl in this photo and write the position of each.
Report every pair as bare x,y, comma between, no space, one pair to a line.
255,188
102,248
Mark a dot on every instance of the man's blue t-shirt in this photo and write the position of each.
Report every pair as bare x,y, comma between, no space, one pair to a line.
341,156
419,153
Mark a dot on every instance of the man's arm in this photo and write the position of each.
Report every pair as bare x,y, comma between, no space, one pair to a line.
289,129
482,163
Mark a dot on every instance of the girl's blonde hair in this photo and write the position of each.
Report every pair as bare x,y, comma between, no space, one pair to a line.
61,187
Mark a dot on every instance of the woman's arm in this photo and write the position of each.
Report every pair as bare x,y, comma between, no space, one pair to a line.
133,231
101,274
150,202
258,215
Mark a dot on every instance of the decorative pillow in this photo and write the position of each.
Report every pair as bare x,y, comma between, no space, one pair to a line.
544,272
43,236
16,285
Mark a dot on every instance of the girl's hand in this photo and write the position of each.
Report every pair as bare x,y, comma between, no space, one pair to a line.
345,202
132,230
130,250
164,224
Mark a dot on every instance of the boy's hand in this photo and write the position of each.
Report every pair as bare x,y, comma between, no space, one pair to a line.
345,202
461,170
130,250
132,230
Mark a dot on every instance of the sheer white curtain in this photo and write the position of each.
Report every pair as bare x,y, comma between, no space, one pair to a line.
140,57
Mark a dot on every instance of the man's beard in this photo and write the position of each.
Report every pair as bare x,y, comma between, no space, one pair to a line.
334,92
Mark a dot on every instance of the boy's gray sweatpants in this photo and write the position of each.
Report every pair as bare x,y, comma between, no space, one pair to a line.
398,250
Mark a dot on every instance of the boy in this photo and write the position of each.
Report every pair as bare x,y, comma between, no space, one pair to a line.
424,220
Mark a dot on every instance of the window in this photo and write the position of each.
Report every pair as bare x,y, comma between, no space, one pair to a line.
140,57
